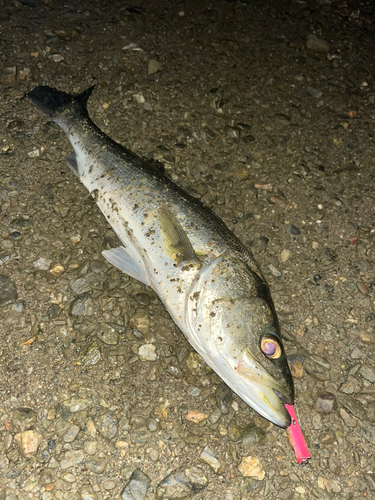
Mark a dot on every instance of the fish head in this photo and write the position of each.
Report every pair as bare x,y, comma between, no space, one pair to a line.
247,350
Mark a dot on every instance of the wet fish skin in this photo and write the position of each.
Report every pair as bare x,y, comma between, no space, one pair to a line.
207,279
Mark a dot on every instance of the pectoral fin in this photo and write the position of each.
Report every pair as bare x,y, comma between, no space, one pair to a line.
177,243
120,258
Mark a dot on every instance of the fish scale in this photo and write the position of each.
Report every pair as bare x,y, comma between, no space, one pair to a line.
207,279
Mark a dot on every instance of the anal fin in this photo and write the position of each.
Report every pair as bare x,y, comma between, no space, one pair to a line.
121,259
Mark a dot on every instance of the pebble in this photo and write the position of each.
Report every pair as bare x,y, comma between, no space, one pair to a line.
207,456
92,355
90,447
28,442
82,305
72,458
363,288
285,255
137,486
108,334
368,432
96,465
317,366
140,436
182,483
153,66
71,433
42,263
147,352
8,291
368,373
274,270
314,92
326,403
78,404
86,493
84,284
224,397
316,44
23,418
251,467
108,425
352,406
140,321
293,230
195,363
252,434
195,416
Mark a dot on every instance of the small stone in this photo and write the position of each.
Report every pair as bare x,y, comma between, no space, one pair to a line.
108,334
108,425
252,434
285,255
326,403
71,433
8,291
9,74
96,465
57,58
317,366
363,288
56,269
92,355
315,245
182,483
251,467
86,493
293,230
195,363
140,321
153,66
352,406
147,352
90,447
315,44
140,436
28,442
139,98
367,338
72,458
78,404
82,305
85,284
296,369
207,456
234,432
42,263
91,428
274,270
137,486
195,416
224,398
23,418
368,373
368,432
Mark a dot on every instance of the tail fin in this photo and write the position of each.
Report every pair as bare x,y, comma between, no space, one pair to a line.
52,101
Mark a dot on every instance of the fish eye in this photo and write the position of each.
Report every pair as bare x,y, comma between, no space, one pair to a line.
270,347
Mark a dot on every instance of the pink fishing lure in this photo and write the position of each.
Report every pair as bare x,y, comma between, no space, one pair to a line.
296,437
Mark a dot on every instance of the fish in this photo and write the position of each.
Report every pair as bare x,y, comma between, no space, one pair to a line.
208,280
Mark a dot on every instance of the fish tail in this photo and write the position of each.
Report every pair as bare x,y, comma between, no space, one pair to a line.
53,102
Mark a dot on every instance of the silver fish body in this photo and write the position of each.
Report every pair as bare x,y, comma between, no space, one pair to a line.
207,279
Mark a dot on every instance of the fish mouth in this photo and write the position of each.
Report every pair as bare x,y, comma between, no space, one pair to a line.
263,392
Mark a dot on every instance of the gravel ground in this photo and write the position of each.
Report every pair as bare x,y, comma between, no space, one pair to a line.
264,110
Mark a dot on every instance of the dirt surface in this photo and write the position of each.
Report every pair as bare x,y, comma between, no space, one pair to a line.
271,128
